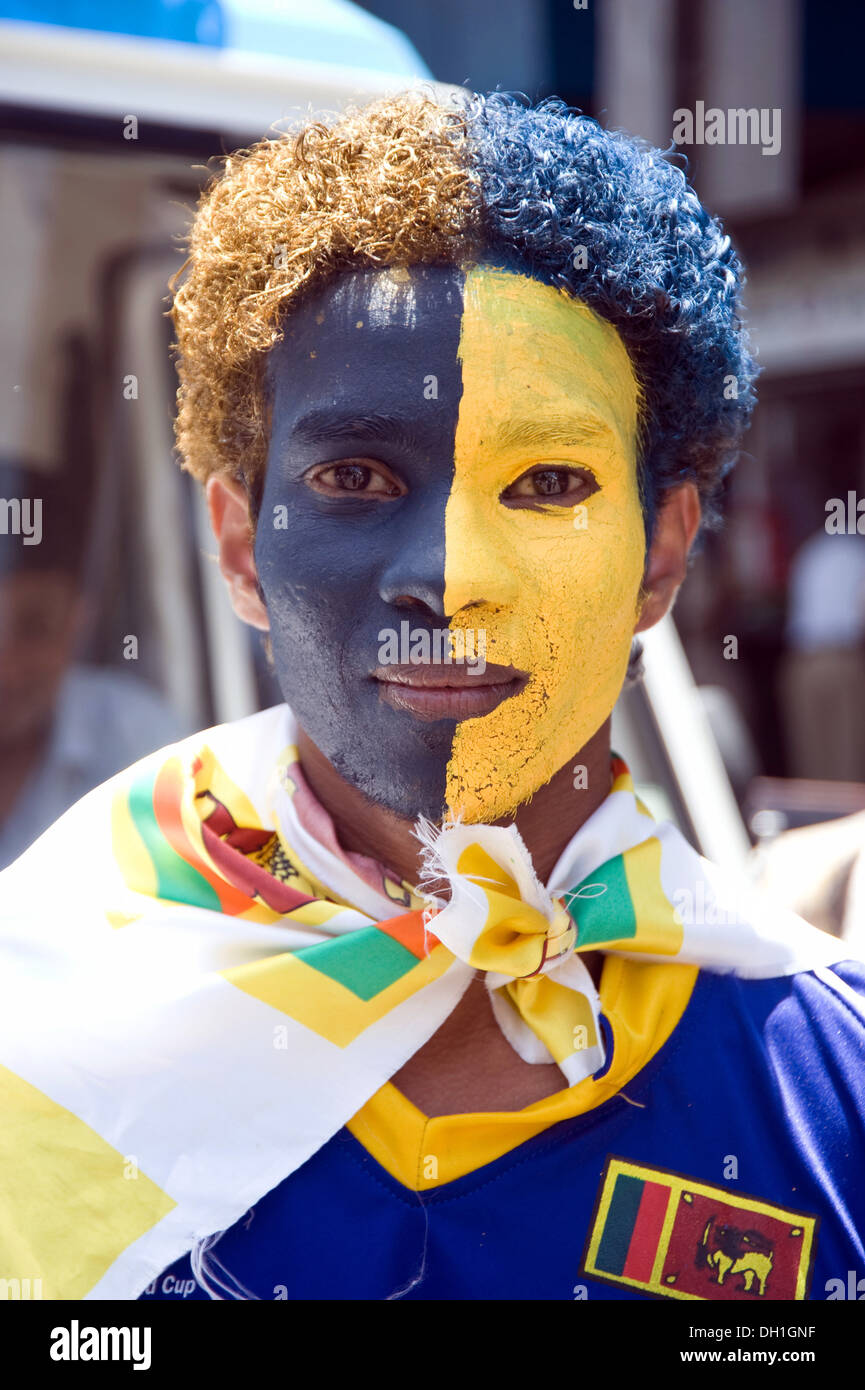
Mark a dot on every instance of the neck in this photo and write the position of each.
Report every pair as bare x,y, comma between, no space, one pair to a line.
547,822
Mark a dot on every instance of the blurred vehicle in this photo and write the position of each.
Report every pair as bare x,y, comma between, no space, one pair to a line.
102,141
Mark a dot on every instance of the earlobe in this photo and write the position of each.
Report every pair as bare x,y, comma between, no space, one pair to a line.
228,505
675,529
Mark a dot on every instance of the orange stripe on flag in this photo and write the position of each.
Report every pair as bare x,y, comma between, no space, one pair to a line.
408,930
167,792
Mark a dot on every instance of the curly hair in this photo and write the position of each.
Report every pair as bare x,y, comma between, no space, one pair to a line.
414,179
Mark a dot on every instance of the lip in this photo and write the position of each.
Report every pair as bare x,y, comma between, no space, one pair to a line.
448,691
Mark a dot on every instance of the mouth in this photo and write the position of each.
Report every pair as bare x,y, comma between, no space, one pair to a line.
448,692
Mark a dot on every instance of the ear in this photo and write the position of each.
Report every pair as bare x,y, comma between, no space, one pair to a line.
228,504
676,526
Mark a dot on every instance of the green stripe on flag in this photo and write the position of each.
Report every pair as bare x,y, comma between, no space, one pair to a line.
601,905
619,1225
366,961
176,880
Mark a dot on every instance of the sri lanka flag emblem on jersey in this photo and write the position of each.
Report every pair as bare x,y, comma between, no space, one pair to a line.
669,1235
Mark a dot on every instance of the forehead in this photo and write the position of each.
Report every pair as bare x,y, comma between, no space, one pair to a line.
366,343
409,343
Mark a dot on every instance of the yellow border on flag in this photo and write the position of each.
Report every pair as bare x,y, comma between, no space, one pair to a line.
317,1001
679,1183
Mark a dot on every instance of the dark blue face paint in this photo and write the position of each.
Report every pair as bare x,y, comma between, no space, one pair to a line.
367,371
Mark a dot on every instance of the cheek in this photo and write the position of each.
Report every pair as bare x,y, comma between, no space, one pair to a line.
570,625
575,600
586,592
310,618
305,567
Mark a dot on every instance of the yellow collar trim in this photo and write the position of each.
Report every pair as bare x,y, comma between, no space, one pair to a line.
643,1003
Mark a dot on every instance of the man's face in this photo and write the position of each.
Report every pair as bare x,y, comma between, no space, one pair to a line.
452,451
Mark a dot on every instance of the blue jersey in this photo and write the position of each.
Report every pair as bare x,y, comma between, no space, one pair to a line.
732,1168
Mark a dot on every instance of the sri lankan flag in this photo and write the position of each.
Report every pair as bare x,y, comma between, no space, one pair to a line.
672,1236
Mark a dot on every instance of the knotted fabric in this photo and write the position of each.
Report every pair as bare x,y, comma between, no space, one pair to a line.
198,988
499,919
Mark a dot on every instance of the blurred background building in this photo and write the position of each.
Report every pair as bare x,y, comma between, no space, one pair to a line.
107,117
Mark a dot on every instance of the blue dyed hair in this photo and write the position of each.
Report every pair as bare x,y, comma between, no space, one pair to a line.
656,266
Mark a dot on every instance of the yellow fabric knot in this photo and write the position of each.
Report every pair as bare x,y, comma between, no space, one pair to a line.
517,939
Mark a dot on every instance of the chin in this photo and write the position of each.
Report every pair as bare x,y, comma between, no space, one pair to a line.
481,794
486,806
406,798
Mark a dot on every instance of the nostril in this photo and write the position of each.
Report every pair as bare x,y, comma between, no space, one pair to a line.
426,602
412,604
474,603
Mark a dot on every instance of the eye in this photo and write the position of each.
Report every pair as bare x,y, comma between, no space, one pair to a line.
561,486
357,477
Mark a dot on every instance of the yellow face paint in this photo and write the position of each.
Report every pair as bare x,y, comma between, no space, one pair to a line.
556,593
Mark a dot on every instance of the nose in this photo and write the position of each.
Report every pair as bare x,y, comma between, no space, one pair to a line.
415,576
479,566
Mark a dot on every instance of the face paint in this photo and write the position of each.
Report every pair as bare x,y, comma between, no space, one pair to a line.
557,588
368,368
454,386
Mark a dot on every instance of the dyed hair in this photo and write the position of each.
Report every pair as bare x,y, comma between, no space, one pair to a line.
413,180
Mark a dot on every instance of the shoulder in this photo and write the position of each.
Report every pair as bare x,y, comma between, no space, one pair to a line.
242,753
815,1035
805,1031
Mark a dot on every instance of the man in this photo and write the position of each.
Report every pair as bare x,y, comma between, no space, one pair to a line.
397,990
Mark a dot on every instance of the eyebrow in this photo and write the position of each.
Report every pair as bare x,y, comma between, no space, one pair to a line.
561,430
322,426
